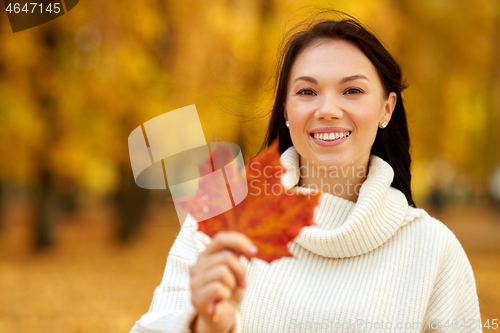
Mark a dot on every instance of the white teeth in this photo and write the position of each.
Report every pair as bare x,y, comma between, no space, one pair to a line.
331,136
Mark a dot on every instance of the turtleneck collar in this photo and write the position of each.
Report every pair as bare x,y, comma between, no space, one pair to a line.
344,228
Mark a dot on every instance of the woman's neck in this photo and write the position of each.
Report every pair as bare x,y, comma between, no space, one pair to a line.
342,181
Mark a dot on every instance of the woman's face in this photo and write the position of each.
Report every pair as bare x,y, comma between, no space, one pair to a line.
334,88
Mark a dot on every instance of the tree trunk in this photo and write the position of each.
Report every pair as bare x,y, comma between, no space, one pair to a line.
46,211
131,201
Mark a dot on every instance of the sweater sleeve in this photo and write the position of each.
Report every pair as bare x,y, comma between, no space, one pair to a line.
171,310
453,305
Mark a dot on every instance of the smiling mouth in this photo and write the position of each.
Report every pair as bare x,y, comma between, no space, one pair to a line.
330,136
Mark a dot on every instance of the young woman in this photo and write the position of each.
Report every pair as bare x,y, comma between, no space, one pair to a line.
372,261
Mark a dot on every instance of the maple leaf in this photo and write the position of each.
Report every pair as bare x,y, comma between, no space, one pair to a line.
269,215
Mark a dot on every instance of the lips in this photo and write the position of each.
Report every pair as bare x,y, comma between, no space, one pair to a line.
329,129
330,136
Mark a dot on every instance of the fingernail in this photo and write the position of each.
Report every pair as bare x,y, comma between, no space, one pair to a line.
252,249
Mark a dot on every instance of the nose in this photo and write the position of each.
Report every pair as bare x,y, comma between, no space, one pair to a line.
329,109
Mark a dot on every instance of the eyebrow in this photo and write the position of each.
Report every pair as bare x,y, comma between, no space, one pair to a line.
343,80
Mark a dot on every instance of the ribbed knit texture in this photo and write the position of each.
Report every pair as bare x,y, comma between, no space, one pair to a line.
374,265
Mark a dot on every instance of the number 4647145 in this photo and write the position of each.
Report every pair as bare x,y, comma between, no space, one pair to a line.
33,8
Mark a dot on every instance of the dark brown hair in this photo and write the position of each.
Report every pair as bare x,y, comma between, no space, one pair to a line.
392,143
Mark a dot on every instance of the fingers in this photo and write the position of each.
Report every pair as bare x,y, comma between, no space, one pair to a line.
223,266
233,240
218,272
205,296
223,250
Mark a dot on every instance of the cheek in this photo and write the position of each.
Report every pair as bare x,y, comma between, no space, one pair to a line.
366,123
296,117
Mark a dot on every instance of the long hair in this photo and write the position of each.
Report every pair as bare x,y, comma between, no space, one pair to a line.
392,143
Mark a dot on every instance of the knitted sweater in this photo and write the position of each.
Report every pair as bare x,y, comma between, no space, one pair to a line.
374,265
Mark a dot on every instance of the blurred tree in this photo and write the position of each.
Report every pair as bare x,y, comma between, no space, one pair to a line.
131,202
492,87
74,88
446,52
46,196
2,77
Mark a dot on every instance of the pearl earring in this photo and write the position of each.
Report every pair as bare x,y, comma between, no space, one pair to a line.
287,124
384,124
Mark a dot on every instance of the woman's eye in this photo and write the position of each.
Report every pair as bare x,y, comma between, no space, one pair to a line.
351,91
308,92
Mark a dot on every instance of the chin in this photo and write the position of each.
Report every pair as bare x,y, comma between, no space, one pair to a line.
330,161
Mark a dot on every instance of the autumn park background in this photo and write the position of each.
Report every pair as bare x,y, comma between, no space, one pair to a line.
82,247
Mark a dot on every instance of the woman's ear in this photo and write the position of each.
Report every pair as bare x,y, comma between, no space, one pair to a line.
389,106
285,115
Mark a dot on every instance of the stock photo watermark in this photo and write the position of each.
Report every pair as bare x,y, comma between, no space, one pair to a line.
258,186
163,155
328,324
28,14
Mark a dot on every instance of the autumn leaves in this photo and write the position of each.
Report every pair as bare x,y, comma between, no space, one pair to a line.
270,219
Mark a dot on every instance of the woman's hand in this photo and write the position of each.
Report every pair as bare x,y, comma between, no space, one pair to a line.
218,279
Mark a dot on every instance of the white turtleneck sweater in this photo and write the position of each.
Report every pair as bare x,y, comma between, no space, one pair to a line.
374,265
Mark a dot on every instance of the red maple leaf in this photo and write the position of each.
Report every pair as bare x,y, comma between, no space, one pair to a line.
269,215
